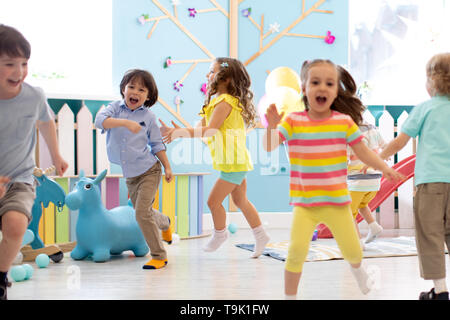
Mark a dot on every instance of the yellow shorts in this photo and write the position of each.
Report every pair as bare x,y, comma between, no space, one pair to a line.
360,199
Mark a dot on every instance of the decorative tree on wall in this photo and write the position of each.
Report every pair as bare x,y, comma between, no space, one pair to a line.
232,16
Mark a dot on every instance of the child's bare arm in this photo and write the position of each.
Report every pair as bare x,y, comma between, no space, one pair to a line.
220,113
373,160
395,145
48,131
272,139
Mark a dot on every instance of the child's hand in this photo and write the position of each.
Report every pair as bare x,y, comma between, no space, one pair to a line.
3,182
168,174
364,169
273,117
167,132
60,165
393,175
133,126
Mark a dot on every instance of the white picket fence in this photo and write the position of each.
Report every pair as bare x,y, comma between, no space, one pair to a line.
386,215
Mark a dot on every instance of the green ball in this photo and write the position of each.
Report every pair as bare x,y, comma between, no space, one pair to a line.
29,269
42,260
232,227
18,273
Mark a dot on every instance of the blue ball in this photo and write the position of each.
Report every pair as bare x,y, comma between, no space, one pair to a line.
29,269
232,227
42,260
18,273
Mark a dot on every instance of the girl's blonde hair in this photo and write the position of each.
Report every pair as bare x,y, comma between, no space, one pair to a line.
238,86
346,101
438,73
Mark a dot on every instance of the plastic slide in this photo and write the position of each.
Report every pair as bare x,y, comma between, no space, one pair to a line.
405,167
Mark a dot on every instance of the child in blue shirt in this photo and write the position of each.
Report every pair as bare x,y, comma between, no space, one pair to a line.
429,122
22,107
134,142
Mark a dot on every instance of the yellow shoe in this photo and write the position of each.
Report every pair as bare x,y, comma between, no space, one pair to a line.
167,236
155,264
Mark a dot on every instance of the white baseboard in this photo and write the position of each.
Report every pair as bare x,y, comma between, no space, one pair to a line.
272,220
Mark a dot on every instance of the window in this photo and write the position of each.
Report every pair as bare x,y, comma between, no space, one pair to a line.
71,44
390,43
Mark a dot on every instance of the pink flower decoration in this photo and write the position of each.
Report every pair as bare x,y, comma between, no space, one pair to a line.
246,12
142,19
192,12
204,88
168,62
329,38
177,85
178,100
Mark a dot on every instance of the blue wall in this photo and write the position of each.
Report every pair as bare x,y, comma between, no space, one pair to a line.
267,189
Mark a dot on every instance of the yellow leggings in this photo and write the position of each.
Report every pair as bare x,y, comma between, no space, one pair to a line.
338,219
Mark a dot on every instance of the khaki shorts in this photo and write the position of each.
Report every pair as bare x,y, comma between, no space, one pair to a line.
19,197
432,224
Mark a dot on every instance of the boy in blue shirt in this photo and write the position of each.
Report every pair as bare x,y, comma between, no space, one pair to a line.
429,121
22,107
134,142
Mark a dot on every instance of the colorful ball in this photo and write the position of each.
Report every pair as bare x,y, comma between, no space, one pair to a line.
42,260
18,273
29,270
232,227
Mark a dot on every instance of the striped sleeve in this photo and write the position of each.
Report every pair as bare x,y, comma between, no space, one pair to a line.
285,129
354,135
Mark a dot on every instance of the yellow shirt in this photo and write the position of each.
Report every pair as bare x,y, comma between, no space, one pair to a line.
228,147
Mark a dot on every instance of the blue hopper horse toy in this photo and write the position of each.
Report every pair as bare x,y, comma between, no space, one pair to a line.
47,191
101,232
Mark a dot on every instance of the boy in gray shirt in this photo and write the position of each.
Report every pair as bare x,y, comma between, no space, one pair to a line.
22,107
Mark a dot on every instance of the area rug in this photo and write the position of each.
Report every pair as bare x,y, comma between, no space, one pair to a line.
327,249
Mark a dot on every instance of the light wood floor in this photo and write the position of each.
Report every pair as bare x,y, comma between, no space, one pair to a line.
227,274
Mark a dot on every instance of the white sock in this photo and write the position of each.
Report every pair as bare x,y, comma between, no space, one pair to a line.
218,238
363,246
261,239
440,286
290,297
374,230
362,278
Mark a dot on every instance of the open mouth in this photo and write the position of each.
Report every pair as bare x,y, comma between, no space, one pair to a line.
321,100
134,100
14,83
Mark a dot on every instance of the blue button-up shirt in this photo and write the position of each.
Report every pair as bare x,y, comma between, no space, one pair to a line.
134,152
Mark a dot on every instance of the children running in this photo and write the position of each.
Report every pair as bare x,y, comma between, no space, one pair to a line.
363,186
317,139
134,142
227,112
22,107
429,122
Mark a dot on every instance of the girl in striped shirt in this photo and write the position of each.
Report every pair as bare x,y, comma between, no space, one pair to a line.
317,139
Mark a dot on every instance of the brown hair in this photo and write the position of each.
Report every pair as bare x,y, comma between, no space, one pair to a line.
438,73
13,43
238,86
346,101
146,79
